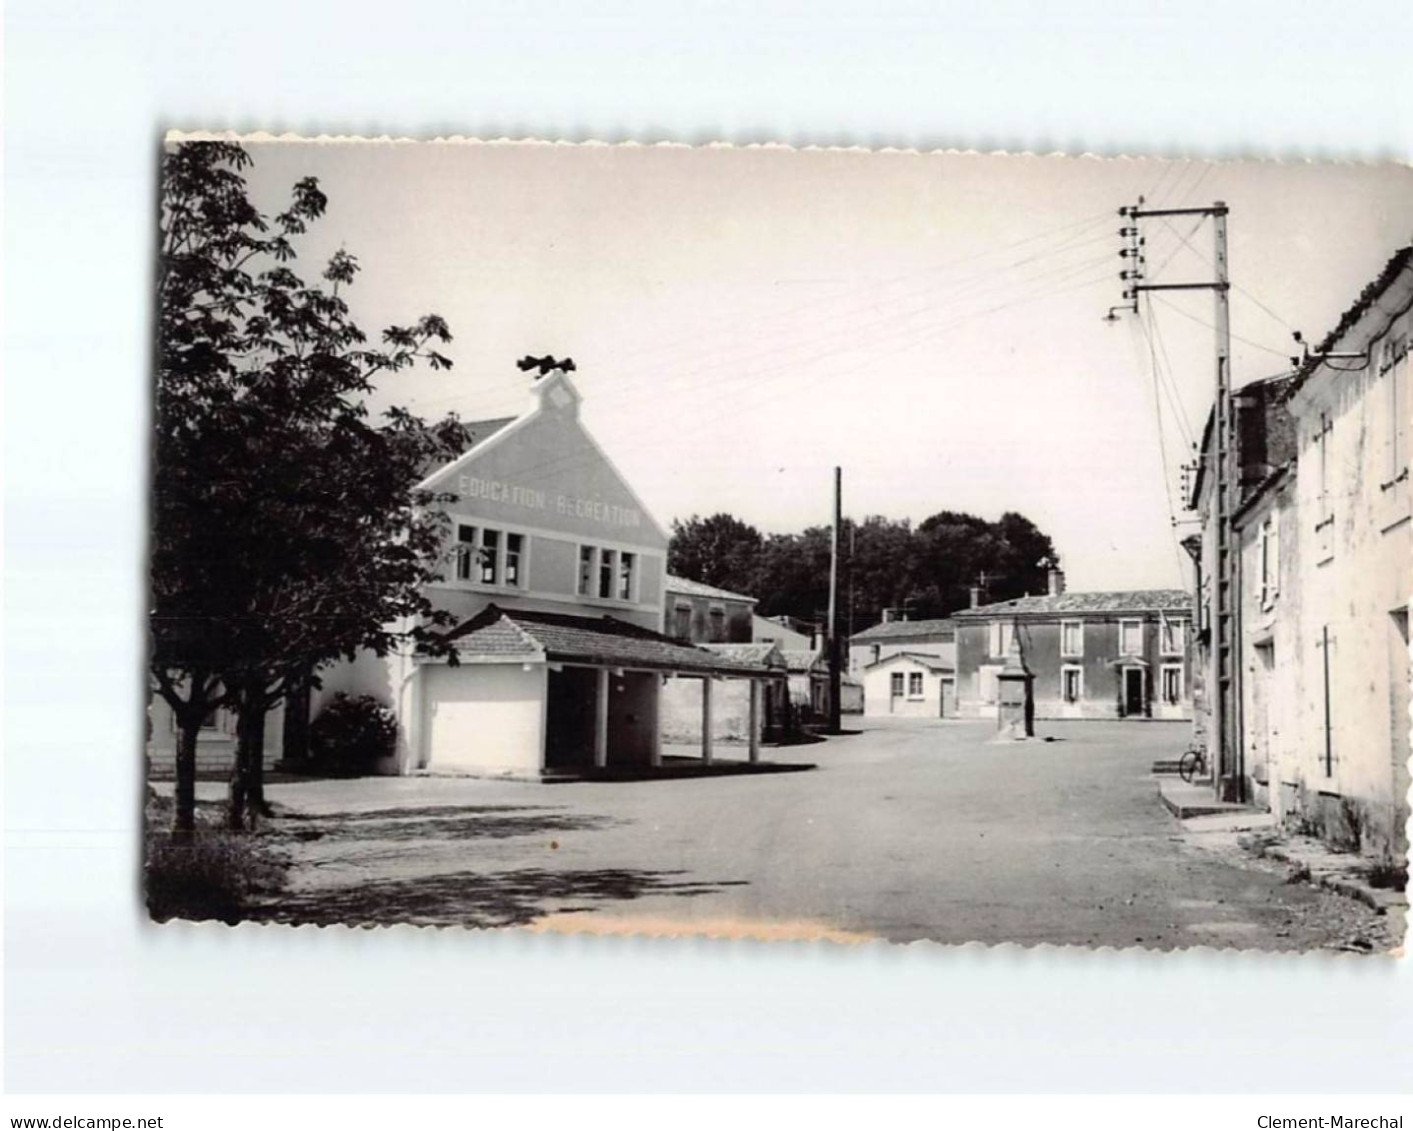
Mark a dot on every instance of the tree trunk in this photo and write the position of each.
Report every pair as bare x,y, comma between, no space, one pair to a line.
294,744
247,794
184,822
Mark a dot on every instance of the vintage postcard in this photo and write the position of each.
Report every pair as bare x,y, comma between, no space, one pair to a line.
781,544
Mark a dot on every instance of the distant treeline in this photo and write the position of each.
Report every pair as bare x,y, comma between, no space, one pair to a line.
884,564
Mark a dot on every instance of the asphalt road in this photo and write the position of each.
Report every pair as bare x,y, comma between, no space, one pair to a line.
905,831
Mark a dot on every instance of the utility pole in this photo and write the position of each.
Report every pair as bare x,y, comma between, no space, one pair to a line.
1225,698
833,627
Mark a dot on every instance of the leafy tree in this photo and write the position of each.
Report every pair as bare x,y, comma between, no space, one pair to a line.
286,530
720,550
886,563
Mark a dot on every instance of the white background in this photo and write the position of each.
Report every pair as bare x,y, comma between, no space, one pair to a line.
96,1000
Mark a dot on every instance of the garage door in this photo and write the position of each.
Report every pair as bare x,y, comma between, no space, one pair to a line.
485,717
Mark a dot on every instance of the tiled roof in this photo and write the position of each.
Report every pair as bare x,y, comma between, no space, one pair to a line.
597,640
1111,601
1402,258
905,630
689,588
800,659
931,663
763,652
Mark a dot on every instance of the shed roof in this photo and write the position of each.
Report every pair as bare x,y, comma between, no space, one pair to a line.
759,652
1080,604
801,659
931,663
690,588
603,641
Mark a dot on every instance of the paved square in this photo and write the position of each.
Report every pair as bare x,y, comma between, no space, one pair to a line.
907,830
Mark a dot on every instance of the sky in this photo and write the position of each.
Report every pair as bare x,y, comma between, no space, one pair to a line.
744,320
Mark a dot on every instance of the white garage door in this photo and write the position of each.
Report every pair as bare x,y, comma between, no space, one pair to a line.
485,717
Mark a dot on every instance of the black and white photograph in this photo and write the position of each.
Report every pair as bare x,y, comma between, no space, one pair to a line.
778,543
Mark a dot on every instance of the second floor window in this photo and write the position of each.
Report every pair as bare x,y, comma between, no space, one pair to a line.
490,557
607,560
626,563
1174,637
514,552
1396,376
1130,637
1072,638
1001,634
586,571
717,619
682,627
487,556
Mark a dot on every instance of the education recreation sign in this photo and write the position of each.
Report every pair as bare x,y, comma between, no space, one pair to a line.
536,499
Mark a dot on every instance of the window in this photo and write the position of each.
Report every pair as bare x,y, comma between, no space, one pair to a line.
1395,366
626,561
586,571
876,651
895,685
1174,639
1072,683
490,557
607,560
717,618
1072,638
1130,637
683,626
914,685
465,551
514,551
1172,684
1001,634
1268,568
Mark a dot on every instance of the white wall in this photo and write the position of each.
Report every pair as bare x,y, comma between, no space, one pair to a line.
879,701
484,718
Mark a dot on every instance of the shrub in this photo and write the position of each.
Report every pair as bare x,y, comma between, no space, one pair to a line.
212,876
350,735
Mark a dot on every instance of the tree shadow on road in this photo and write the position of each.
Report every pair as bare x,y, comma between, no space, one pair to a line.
443,822
474,899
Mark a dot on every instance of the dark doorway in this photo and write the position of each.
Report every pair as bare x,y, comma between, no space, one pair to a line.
569,719
1133,692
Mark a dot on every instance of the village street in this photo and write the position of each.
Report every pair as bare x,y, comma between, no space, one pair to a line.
905,831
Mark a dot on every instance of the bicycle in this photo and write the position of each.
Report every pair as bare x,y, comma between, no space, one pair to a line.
1193,764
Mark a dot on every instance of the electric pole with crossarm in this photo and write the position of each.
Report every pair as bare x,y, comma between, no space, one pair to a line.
1225,703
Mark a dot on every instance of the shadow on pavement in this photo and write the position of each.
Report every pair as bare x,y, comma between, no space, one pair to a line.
473,899
442,822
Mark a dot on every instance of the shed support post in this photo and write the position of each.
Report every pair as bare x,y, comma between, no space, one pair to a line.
706,720
601,720
754,723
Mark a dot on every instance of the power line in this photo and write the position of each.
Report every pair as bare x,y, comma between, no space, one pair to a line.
1203,322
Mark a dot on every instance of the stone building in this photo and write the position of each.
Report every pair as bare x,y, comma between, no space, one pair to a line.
936,638
722,622
1104,655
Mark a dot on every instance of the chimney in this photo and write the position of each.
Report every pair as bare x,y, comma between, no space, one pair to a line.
1057,582
887,616
975,596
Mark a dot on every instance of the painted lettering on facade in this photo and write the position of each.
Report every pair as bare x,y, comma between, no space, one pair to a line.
532,498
